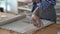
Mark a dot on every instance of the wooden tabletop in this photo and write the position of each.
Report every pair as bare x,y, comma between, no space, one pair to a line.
8,15
3,31
52,29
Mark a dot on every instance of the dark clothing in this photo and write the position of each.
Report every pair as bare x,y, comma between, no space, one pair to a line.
48,14
34,6
47,10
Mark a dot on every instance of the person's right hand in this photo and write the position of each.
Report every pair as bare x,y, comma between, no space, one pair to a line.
36,21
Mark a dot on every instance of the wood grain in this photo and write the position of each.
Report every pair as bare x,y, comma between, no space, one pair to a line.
9,15
3,31
52,29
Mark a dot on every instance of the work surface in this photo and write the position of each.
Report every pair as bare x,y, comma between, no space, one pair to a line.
52,29
8,16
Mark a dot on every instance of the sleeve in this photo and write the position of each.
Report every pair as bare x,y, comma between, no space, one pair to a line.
46,3
34,7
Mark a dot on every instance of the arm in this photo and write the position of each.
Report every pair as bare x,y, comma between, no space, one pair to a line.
36,11
36,20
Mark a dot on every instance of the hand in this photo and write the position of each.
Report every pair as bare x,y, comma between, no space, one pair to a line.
36,21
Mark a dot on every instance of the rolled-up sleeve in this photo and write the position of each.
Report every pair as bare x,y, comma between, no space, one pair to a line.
46,3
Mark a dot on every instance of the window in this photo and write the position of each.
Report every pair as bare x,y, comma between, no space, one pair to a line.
3,4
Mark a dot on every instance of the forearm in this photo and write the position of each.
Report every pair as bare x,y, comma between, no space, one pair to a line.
35,14
36,11
36,20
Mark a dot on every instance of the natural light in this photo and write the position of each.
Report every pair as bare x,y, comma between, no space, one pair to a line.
3,4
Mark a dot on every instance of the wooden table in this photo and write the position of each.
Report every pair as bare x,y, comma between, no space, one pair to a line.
3,31
8,16
52,29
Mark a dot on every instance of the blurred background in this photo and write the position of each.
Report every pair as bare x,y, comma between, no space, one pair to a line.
20,7
16,15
